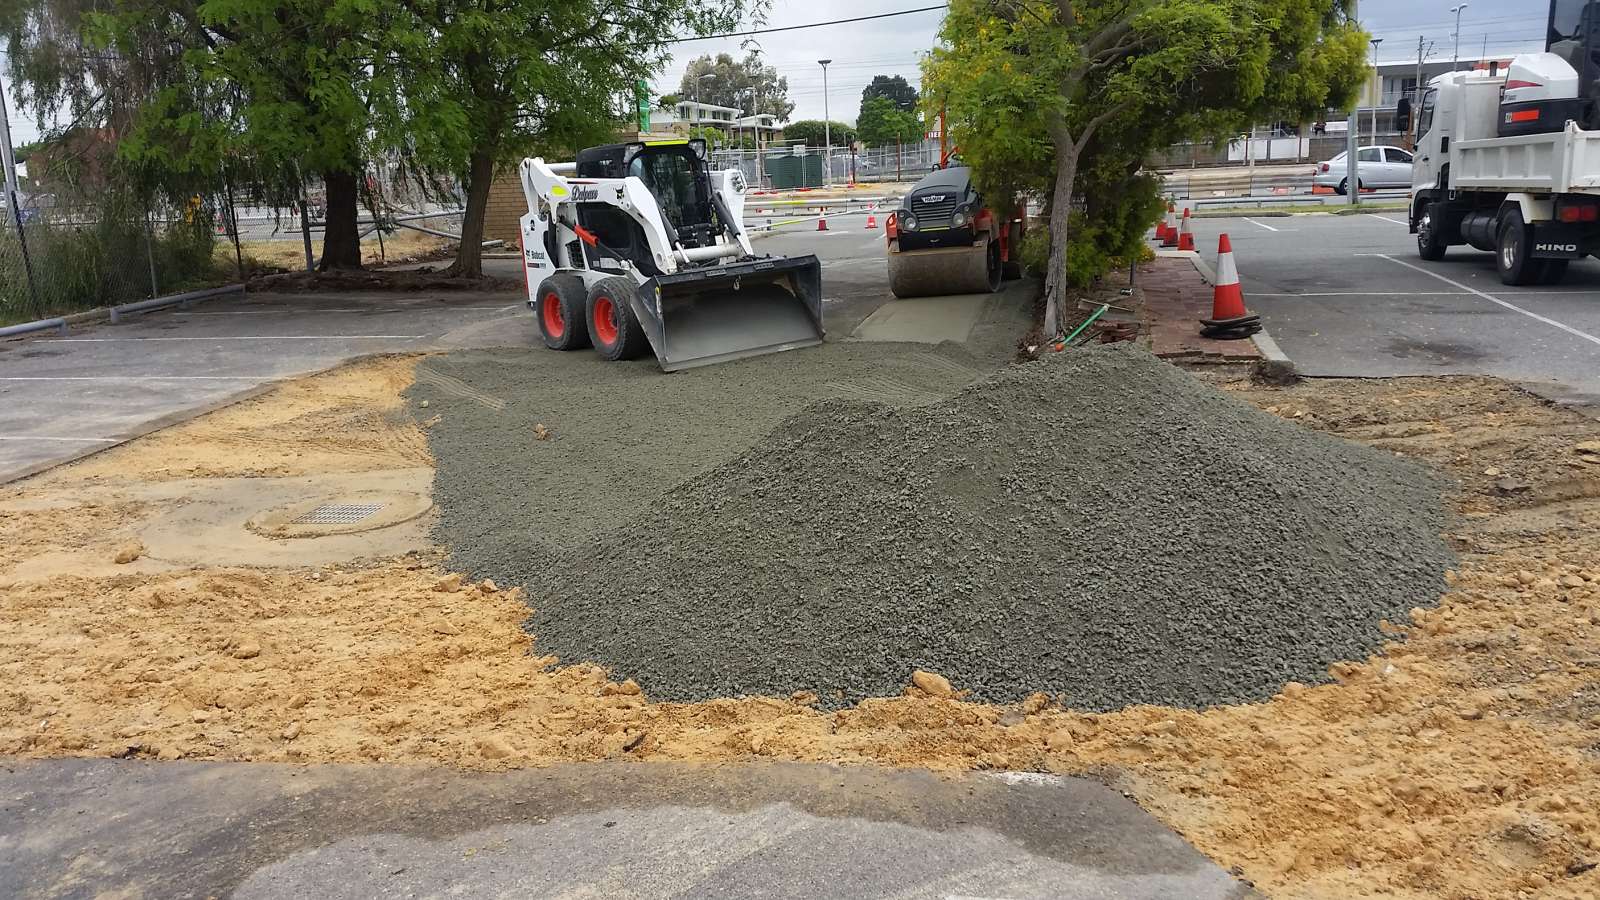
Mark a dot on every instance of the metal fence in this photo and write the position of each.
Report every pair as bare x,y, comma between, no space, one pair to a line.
794,165
69,252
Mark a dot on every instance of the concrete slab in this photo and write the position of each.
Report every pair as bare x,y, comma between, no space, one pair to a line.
923,320
82,828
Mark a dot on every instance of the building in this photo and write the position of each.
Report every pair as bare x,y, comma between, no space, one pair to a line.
690,114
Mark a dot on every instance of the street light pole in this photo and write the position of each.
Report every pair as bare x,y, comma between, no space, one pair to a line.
827,126
1352,139
1455,55
1377,97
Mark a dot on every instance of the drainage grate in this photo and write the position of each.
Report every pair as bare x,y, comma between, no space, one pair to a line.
338,514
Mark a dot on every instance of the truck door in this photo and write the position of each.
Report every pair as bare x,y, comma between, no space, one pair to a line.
1430,154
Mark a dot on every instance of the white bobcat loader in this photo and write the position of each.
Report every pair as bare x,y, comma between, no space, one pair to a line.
639,246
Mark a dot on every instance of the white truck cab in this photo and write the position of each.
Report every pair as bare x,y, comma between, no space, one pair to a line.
1508,160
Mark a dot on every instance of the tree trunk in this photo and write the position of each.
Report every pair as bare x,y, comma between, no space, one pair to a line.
1055,280
341,240
469,256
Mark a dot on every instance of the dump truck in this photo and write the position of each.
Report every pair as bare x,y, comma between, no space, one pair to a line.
945,239
640,247
1508,160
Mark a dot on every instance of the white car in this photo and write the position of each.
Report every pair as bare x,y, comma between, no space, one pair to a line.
1377,167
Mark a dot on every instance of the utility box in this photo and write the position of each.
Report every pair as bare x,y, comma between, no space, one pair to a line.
789,172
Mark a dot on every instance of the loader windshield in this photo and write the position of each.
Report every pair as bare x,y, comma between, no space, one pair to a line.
670,176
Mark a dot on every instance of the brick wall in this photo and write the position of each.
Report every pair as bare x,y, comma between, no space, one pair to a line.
506,206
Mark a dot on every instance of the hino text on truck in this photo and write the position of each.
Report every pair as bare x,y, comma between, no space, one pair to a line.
1509,161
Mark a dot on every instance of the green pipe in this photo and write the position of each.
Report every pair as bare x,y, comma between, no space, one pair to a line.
1086,323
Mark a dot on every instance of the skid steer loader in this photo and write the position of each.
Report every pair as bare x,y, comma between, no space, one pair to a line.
639,247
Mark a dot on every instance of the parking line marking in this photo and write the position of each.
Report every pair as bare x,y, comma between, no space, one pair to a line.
1497,301
139,377
1258,224
239,337
393,309
1387,219
45,437
1368,294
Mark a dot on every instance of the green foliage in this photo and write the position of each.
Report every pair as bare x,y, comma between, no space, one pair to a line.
893,87
881,123
745,84
810,132
1039,93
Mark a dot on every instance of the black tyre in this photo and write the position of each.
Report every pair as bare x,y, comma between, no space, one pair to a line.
1431,237
1011,270
1554,271
615,330
996,268
1513,255
560,311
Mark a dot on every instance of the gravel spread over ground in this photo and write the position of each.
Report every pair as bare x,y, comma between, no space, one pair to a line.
1098,525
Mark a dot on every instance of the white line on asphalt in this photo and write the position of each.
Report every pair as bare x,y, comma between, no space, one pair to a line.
240,337
140,377
1387,219
43,437
393,309
1368,294
1496,300
1258,224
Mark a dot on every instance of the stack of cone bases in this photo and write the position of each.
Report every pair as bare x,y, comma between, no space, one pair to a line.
1229,320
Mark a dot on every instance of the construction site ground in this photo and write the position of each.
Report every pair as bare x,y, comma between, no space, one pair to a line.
153,609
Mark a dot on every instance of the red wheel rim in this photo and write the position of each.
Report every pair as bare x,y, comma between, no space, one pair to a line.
554,325
605,320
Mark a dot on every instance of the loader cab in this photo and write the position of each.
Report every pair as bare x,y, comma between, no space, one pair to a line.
677,176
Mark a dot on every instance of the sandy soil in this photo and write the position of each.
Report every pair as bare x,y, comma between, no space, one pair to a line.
1464,762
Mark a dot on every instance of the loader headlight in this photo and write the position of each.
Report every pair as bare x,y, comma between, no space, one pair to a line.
959,219
908,222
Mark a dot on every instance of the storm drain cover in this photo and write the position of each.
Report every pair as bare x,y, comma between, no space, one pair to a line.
337,514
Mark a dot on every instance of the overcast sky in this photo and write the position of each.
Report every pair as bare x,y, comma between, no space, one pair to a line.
892,46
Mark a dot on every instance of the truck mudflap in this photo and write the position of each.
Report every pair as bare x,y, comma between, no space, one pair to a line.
716,314
1558,240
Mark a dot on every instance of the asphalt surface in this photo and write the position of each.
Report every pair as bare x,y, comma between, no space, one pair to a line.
63,396
1348,296
107,828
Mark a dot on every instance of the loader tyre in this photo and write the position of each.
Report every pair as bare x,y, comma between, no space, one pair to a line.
560,313
1513,254
616,332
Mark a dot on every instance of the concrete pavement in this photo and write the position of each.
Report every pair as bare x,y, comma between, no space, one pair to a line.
87,828
1348,296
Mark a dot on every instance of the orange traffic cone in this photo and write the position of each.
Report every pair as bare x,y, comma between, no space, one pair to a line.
822,222
1165,225
872,221
1185,236
1170,239
1229,318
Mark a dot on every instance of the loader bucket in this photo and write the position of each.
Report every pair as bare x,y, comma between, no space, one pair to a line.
721,313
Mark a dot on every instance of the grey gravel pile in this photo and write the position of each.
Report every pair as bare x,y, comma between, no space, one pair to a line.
1098,524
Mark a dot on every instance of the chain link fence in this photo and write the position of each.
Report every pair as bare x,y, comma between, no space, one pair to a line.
790,166
73,251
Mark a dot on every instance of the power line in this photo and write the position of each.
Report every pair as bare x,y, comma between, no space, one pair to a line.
731,34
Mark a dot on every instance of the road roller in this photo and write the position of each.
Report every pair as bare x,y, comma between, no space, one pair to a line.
944,239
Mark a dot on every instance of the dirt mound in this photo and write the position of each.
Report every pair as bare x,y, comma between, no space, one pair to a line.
1098,525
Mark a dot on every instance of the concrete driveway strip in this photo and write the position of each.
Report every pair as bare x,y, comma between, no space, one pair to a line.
1347,296
82,828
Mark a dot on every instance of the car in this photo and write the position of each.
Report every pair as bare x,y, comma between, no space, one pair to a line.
1377,167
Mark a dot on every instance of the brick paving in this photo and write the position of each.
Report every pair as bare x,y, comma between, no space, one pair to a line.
1176,298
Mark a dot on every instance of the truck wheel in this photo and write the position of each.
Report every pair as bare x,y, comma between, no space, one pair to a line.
560,313
1555,271
1431,243
1513,255
615,330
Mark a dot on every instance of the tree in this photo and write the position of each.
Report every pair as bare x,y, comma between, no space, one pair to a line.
810,132
745,85
883,124
1039,90
276,87
894,88
489,81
